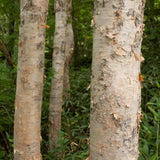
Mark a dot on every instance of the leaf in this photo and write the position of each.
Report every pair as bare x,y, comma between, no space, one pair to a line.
154,113
154,157
158,85
2,154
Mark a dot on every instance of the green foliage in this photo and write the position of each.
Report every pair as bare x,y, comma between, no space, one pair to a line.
149,131
75,115
150,136
9,24
50,31
75,120
82,15
7,95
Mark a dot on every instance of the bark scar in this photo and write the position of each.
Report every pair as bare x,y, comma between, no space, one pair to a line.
103,4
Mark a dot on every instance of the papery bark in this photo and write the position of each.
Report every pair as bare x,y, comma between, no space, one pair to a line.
116,84
27,122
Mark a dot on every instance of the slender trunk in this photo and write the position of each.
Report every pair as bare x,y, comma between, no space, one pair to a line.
55,106
116,79
28,101
68,49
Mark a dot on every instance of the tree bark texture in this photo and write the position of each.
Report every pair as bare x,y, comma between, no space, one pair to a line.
69,47
55,106
28,101
116,80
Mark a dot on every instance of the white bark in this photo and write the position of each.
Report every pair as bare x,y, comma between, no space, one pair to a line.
27,123
115,86
68,48
55,107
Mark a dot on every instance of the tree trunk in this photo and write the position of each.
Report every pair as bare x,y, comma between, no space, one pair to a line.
68,49
28,101
55,107
116,79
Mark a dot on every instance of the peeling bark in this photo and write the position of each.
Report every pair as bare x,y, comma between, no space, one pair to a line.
116,87
28,101
55,106
68,49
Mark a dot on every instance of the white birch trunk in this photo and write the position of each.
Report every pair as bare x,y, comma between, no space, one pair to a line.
68,49
116,86
27,123
55,106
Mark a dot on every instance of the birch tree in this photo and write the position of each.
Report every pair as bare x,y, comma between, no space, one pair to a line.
28,101
116,79
55,106
68,48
